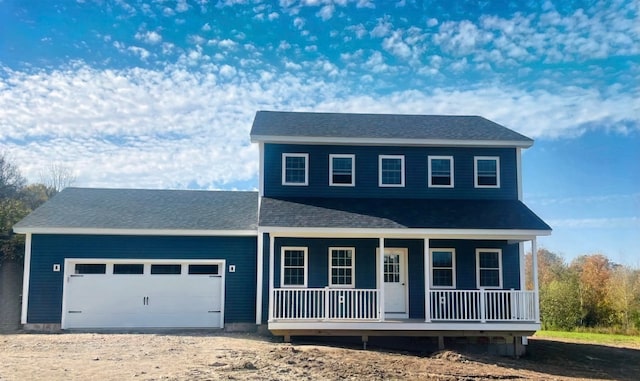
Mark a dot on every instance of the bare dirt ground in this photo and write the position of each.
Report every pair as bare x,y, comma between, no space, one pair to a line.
222,356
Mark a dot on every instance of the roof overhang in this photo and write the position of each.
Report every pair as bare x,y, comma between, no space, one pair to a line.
382,141
485,234
146,232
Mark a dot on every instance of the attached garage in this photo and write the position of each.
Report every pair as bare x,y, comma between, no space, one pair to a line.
131,258
101,293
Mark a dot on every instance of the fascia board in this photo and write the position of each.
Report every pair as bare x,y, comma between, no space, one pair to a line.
106,231
388,141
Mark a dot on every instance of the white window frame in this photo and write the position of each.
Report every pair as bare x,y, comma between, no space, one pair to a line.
453,267
352,267
306,168
478,268
450,158
382,157
475,171
306,266
353,169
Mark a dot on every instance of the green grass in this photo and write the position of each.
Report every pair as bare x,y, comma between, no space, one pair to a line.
594,338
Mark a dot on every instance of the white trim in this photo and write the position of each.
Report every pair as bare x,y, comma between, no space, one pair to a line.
519,171
380,277
380,183
484,329
115,231
306,266
353,268
271,274
534,270
475,171
25,279
389,141
451,171
500,269
259,277
261,170
306,168
498,234
427,282
521,261
453,267
353,169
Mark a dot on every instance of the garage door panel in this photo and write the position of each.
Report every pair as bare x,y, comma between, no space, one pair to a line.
143,300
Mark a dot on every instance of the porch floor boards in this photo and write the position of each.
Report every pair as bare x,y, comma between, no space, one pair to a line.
402,327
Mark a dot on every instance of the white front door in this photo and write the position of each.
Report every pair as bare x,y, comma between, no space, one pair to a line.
395,283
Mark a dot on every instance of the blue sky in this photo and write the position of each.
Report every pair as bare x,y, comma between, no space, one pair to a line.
161,94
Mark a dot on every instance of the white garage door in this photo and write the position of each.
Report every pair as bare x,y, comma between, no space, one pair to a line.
143,294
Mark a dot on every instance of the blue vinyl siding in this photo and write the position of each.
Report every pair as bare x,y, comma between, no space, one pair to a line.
366,165
318,270
45,288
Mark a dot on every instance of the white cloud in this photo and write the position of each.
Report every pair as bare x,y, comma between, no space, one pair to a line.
140,52
326,12
359,30
382,28
299,22
227,44
206,27
598,223
182,6
188,122
149,37
273,15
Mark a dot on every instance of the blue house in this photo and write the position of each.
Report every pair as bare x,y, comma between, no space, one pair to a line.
363,225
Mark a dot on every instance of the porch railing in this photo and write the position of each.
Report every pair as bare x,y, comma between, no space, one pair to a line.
326,304
364,305
482,305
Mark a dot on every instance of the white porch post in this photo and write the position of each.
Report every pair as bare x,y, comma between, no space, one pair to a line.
534,268
427,282
381,278
271,273
25,279
259,278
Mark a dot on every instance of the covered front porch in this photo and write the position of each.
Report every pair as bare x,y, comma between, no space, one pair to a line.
402,295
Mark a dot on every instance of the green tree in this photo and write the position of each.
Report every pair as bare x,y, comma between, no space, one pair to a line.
594,273
623,294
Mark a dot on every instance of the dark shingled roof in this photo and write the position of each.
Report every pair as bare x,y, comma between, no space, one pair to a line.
145,209
398,214
272,124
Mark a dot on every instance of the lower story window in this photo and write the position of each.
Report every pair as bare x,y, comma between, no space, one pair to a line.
294,267
489,272
443,268
341,266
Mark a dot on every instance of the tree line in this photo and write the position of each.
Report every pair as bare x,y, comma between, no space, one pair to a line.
589,292
18,198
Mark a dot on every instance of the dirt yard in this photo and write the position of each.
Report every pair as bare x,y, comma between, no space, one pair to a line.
199,356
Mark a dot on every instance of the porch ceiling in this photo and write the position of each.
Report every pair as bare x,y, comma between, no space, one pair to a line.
377,213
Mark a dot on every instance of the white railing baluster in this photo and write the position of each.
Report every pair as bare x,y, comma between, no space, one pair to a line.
363,304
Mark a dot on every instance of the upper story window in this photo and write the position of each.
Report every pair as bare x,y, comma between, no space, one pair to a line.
486,172
443,268
441,171
293,272
295,169
341,267
391,170
489,272
342,171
